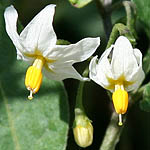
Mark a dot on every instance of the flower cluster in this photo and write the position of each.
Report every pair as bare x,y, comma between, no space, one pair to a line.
118,70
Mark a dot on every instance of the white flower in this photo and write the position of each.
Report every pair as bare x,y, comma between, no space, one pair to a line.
118,70
37,45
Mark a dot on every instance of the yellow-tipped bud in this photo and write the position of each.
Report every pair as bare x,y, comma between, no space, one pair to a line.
33,80
83,131
120,100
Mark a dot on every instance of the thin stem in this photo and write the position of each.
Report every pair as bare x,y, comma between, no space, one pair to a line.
79,96
79,105
120,29
112,134
106,17
131,16
128,12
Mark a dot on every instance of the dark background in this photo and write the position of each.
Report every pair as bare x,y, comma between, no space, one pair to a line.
73,24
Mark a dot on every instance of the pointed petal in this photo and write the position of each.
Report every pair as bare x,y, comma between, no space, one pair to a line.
74,52
39,33
99,72
138,56
11,17
123,59
137,77
138,74
62,72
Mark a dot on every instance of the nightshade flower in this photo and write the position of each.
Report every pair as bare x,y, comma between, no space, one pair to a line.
118,70
37,45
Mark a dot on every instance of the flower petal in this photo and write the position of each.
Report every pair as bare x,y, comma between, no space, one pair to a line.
74,52
123,60
138,74
61,72
100,72
39,33
11,17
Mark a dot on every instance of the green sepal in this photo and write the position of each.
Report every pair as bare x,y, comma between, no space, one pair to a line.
62,42
146,62
79,3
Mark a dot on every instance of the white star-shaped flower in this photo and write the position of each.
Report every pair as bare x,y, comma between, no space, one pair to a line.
37,45
118,70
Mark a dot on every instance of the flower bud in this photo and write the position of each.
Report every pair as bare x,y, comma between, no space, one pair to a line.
83,131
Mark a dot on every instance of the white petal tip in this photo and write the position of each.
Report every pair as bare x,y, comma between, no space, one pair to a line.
9,8
98,39
51,5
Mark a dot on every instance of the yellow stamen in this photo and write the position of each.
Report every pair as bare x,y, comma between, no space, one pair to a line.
120,101
33,78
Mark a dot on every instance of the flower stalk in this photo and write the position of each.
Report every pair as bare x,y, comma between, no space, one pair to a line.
120,29
82,127
112,134
79,104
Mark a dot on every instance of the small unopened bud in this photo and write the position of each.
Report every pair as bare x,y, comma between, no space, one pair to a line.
83,131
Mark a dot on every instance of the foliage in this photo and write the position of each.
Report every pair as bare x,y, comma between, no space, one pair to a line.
43,123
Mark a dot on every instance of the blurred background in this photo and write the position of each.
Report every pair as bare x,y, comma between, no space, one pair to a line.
73,24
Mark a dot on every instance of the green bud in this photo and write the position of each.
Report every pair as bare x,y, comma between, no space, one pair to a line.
83,131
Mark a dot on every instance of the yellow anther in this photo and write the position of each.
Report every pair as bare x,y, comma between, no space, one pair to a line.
33,78
120,101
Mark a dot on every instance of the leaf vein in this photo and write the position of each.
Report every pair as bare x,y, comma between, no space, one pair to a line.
10,120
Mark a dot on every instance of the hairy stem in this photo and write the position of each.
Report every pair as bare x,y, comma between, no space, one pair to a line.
112,134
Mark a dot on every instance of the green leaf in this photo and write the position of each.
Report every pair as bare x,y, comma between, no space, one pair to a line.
145,103
143,11
40,124
146,62
79,3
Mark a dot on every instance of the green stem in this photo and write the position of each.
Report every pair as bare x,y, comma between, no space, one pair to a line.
131,16
79,96
79,105
120,29
112,134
